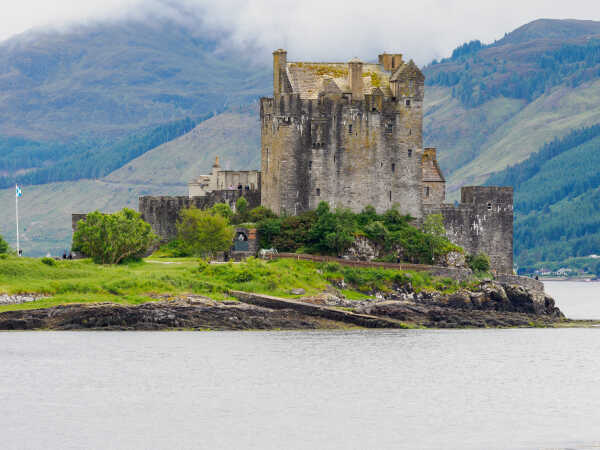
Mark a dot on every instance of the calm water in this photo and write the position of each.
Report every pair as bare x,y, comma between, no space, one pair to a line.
414,389
577,300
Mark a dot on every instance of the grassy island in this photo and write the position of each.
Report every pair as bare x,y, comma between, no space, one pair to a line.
143,281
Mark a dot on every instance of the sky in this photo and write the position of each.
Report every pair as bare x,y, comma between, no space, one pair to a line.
313,29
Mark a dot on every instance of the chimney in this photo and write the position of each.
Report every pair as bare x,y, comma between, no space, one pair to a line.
390,61
279,66
355,78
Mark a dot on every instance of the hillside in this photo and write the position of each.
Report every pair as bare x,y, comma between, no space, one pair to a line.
557,207
489,106
113,78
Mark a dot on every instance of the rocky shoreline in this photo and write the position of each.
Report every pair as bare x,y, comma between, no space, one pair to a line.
492,304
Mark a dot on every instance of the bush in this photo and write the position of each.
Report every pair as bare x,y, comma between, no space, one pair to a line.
48,261
479,262
113,238
203,233
3,246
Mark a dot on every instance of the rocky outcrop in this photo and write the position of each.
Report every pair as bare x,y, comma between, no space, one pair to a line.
193,313
16,299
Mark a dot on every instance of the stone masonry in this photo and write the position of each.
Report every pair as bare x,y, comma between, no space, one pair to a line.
348,134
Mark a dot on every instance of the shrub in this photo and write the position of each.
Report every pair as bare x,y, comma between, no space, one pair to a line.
113,238
223,210
203,233
48,261
479,262
3,246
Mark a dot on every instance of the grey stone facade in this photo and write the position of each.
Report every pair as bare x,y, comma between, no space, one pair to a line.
162,213
347,134
482,222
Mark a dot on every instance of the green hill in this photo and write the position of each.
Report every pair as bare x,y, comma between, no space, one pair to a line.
490,106
557,207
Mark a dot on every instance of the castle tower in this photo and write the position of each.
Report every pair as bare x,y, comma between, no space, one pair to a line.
349,134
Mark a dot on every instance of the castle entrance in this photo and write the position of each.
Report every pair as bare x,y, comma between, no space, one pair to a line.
240,243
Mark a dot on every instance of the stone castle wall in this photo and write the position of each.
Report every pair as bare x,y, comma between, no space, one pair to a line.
482,222
162,213
348,149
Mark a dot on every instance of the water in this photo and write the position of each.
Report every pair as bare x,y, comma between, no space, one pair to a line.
576,299
401,389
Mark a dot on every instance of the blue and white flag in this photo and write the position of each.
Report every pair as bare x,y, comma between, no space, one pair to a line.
19,192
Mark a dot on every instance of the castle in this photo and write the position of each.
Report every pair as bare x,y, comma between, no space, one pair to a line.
351,134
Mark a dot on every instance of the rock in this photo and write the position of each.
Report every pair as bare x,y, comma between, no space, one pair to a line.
362,249
454,259
298,291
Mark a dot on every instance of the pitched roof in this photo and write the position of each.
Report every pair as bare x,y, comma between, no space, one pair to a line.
308,79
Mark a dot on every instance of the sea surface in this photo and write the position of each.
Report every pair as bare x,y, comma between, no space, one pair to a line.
401,389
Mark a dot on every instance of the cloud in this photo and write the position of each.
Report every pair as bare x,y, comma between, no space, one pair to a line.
315,29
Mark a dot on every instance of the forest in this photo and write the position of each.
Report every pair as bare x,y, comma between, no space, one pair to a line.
28,162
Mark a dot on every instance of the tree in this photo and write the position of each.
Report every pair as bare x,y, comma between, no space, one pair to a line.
203,233
3,246
241,210
113,238
433,226
223,210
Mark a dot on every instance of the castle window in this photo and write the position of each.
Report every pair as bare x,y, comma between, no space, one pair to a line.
390,196
427,191
334,159
410,152
489,205
389,127
267,162
318,192
410,131
407,102
349,129
393,167
310,165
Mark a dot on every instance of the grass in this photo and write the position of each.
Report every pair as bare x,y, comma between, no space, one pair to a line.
139,282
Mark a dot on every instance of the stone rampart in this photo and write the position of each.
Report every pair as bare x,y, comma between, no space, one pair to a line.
529,283
482,222
162,213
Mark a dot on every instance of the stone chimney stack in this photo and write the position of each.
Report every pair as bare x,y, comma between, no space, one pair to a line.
390,61
355,79
279,67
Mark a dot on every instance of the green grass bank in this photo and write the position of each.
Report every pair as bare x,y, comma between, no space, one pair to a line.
139,282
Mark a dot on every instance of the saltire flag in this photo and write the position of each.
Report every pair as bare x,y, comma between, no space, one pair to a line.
19,192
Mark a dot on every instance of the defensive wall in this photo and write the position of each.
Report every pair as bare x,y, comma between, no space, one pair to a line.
482,222
455,273
162,213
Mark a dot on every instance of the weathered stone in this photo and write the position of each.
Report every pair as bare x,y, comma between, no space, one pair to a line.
298,291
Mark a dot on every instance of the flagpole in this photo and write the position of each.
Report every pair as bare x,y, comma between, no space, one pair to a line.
17,214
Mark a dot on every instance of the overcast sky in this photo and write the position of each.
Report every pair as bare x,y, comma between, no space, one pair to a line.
315,29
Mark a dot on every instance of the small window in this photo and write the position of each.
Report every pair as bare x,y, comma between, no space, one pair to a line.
389,127
489,205
410,131
349,129
318,192
334,159
310,165
410,152
267,162
390,196
427,191
393,167
408,102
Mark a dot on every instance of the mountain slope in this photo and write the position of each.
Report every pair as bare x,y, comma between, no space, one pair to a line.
557,199
508,98
112,78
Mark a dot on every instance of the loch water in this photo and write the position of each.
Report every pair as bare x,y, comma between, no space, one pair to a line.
373,389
